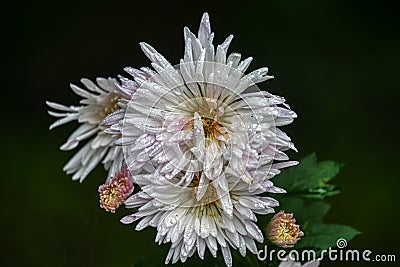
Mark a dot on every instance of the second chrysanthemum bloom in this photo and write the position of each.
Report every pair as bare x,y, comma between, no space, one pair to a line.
99,100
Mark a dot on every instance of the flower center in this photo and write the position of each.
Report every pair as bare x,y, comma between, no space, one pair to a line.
209,198
286,231
111,105
211,113
212,128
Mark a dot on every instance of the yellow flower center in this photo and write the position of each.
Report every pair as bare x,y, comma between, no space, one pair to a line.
286,232
111,105
209,201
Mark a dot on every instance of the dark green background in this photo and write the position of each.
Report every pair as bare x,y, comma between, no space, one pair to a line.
336,62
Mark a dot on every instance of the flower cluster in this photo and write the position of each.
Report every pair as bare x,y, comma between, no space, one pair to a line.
199,140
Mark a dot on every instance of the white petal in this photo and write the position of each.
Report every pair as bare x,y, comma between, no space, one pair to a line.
226,253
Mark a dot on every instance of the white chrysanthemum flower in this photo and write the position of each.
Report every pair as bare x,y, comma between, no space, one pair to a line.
98,102
216,221
208,142
204,114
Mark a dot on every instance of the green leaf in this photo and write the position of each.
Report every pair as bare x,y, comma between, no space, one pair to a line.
309,179
304,211
323,236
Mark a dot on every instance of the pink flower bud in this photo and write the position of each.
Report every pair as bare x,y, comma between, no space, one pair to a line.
283,231
114,192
